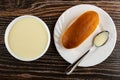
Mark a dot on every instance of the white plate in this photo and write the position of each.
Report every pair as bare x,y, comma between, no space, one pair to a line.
100,54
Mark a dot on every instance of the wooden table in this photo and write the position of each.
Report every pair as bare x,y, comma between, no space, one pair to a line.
51,65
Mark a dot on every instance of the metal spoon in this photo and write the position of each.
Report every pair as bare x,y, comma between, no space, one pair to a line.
99,40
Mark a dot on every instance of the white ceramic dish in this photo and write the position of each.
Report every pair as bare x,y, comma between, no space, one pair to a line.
9,28
100,54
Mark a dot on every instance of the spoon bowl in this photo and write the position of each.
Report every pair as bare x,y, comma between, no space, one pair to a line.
101,38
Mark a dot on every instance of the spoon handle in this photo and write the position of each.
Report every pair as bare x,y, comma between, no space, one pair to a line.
70,68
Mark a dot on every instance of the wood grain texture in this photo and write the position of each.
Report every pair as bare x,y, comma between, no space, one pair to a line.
51,66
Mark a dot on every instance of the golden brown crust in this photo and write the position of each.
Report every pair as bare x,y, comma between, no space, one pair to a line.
80,29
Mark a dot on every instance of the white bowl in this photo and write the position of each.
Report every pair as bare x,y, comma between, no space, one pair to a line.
9,28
